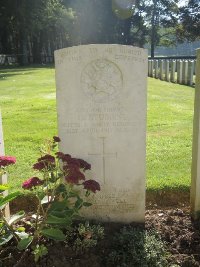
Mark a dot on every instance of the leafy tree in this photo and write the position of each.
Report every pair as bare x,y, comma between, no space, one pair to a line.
162,17
32,27
189,27
107,21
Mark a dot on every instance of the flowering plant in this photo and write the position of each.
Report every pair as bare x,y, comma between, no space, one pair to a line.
61,189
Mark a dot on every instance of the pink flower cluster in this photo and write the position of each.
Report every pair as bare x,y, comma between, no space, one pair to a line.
32,182
6,161
45,162
56,139
73,170
73,175
91,185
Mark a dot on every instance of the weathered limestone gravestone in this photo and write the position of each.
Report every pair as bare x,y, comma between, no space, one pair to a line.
179,71
167,70
190,73
173,70
195,186
1,137
156,68
161,70
101,103
3,178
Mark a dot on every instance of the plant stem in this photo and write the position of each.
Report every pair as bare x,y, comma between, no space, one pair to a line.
9,227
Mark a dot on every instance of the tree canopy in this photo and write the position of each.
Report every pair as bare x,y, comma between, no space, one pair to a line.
189,27
34,29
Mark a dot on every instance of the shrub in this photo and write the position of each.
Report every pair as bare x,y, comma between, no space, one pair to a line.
61,189
137,247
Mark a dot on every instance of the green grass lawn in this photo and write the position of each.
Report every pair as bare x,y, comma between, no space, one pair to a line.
28,104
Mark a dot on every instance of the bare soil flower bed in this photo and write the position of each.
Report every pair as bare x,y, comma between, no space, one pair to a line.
179,232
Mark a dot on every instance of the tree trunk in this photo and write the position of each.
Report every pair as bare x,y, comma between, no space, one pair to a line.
36,50
23,58
153,29
127,29
5,44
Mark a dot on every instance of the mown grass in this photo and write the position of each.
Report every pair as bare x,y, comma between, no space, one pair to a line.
28,104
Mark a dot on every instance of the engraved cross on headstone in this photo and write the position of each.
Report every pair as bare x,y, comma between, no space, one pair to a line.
103,155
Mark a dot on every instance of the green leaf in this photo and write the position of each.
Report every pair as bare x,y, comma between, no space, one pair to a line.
41,195
9,198
24,243
62,214
73,194
53,178
22,235
39,252
21,229
58,205
60,189
78,203
51,219
5,239
3,187
87,204
16,217
54,234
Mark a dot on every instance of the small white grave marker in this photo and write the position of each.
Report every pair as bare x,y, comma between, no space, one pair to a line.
3,178
195,186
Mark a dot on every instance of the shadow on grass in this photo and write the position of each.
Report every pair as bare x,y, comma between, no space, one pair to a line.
33,66
5,75
8,71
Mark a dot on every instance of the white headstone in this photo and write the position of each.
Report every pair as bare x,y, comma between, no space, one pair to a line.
173,70
195,185
156,68
190,72
179,71
167,70
185,71
152,68
1,137
101,103
161,69
3,178
149,67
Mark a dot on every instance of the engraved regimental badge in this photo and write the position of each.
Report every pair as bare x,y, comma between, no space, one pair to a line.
101,80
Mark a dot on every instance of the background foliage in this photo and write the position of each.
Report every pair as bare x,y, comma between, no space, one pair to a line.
34,29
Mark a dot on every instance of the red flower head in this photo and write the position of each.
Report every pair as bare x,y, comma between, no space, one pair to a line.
60,155
32,182
47,158
7,160
71,160
84,165
91,185
74,177
39,166
56,139
63,157
46,161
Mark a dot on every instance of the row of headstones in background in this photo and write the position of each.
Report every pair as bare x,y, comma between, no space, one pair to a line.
3,178
179,71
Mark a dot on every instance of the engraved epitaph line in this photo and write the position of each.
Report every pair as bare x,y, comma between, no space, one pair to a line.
103,155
